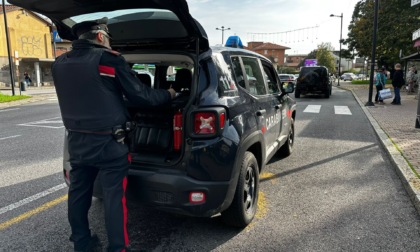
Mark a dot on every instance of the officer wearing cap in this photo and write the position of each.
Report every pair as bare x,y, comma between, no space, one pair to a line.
91,82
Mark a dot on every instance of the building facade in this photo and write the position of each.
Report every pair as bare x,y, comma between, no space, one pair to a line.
30,46
276,53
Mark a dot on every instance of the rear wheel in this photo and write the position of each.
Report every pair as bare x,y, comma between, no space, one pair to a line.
245,202
327,93
287,147
297,93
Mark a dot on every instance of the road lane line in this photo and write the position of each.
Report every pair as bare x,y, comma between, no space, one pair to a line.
26,215
4,138
31,198
4,110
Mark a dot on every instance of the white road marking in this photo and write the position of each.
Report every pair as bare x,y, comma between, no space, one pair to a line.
9,137
31,198
342,110
44,123
4,110
312,109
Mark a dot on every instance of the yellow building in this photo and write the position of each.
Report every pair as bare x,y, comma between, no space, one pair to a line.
30,46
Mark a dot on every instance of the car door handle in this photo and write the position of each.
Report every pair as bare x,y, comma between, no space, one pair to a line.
261,112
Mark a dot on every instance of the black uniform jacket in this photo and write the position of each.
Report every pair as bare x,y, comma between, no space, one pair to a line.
91,82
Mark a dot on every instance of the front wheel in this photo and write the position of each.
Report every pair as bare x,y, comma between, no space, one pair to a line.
245,202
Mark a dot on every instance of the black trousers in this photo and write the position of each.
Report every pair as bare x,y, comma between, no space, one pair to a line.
113,177
377,97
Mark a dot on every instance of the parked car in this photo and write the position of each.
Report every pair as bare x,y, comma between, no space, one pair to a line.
287,78
313,80
348,77
203,155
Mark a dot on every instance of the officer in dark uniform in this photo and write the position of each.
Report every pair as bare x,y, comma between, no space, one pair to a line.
91,81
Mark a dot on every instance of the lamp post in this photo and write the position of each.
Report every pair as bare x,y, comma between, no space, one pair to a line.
223,29
339,52
373,58
8,49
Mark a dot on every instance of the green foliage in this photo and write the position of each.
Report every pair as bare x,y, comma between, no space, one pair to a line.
8,98
397,21
282,69
325,57
362,82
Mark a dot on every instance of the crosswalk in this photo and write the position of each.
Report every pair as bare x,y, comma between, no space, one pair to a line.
338,110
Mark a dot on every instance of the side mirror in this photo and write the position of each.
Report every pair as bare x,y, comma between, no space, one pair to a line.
288,87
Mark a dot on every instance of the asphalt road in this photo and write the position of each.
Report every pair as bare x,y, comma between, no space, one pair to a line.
338,191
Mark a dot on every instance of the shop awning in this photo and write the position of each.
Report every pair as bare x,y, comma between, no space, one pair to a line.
417,43
414,56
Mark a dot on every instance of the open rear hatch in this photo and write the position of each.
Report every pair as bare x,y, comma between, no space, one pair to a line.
154,24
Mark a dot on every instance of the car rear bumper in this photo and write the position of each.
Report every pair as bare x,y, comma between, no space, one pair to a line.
171,192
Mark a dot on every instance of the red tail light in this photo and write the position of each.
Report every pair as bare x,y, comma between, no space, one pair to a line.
208,123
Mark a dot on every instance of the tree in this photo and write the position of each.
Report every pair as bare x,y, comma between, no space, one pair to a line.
397,21
325,57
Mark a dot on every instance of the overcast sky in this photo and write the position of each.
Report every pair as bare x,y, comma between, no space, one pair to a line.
268,21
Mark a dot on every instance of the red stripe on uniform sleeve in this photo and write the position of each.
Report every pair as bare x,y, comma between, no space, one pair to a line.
106,70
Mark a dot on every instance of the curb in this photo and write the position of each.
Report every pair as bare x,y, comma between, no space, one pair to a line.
409,180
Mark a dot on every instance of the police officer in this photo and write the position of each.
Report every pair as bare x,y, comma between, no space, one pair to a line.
91,81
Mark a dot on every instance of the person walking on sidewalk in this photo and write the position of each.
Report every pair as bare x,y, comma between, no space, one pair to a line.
380,84
397,83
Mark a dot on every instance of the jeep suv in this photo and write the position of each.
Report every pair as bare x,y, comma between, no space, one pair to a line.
203,154
313,80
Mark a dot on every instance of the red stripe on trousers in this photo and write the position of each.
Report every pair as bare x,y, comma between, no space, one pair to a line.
124,201
106,70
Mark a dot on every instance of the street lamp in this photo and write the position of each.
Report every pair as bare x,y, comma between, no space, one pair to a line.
223,29
339,53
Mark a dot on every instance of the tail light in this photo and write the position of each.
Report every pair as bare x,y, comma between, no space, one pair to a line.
177,130
209,123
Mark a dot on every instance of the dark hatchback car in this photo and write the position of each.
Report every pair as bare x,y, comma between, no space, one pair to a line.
203,154
313,80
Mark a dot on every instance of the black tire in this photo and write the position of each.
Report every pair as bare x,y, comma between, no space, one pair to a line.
327,93
297,93
245,202
287,147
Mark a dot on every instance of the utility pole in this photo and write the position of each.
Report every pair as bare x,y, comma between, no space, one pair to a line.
372,62
8,49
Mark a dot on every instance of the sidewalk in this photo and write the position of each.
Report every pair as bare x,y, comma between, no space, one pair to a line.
395,126
36,93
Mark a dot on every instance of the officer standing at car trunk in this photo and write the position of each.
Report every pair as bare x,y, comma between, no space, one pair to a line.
91,82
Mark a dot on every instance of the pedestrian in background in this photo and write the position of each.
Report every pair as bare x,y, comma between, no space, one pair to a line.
27,78
91,82
380,84
397,83
411,79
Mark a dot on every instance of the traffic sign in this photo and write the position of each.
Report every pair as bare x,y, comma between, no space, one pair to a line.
56,37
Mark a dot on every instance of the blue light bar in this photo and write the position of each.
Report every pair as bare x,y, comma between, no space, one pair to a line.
234,41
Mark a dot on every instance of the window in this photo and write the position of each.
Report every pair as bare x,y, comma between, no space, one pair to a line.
270,75
254,76
237,70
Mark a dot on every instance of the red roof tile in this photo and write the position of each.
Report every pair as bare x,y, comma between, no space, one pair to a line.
270,46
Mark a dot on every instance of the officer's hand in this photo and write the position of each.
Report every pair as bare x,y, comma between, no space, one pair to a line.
172,92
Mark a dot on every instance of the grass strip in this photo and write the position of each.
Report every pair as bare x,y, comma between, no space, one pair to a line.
9,98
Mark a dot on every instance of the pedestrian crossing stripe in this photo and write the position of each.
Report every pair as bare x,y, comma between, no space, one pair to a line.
342,110
312,109
338,110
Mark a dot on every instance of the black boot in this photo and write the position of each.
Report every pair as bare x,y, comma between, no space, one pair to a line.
94,245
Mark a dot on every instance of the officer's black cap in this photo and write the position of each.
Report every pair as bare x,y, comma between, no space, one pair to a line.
92,25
